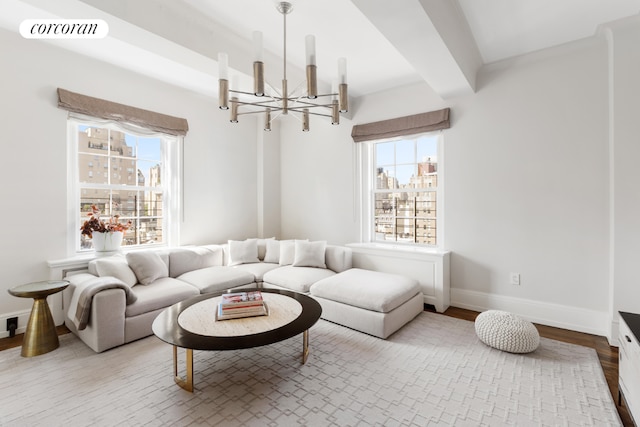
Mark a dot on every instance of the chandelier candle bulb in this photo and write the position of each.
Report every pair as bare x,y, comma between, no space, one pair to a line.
223,66
342,70
310,44
257,46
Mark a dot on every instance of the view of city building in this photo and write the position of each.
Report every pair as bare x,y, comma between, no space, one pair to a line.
113,176
405,207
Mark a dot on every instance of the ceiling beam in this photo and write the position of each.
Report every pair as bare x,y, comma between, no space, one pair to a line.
434,37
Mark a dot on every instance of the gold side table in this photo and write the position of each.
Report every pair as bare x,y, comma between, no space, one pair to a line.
40,337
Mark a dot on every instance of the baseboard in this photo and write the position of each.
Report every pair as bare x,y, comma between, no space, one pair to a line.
544,313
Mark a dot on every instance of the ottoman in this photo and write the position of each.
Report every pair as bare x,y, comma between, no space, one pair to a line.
369,301
507,332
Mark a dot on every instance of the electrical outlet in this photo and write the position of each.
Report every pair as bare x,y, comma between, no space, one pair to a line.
515,278
12,325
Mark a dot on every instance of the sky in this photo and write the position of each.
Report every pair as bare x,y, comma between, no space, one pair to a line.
404,154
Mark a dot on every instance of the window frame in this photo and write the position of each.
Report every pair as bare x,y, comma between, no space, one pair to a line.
366,184
171,176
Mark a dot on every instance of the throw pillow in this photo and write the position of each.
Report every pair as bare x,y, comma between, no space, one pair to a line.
115,266
243,252
309,254
287,252
262,247
272,253
148,266
182,260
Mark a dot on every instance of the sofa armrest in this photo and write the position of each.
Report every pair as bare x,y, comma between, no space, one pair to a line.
338,258
105,328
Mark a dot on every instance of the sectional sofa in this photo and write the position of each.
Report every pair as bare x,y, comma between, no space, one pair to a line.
134,288
117,300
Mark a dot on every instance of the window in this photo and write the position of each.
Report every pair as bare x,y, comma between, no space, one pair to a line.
403,193
144,200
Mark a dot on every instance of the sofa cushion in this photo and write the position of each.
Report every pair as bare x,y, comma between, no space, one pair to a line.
298,279
213,279
164,292
241,252
257,269
309,254
115,266
367,289
148,266
182,260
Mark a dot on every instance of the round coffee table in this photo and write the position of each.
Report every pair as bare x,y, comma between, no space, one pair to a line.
40,337
192,325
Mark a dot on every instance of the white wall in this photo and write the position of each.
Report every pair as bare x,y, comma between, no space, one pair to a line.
317,178
624,113
526,183
220,196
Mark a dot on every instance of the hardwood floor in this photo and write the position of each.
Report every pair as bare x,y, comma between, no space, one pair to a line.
608,355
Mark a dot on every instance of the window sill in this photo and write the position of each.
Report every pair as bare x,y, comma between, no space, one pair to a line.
398,248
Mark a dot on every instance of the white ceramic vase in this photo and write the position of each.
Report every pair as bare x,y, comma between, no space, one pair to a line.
107,242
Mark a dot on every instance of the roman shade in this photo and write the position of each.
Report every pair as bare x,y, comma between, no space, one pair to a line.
108,110
402,126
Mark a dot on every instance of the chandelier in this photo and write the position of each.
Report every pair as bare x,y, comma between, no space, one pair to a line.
274,102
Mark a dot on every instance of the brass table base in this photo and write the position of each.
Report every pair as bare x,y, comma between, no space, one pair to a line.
40,336
186,382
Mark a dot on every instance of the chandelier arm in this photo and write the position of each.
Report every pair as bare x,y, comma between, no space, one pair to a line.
242,92
309,104
256,104
272,98
259,112
320,114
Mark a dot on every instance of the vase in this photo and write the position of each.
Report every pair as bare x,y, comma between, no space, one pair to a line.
107,242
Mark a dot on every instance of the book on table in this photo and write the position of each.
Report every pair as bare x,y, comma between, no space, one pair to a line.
241,304
251,298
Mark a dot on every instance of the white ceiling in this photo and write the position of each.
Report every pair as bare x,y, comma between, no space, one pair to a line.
374,34
386,43
506,28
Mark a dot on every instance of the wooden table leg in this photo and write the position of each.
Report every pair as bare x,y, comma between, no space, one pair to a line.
185,383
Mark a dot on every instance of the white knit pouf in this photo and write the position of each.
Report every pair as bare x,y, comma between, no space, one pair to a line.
506,331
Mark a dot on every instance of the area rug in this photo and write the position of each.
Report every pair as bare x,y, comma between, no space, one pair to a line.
434,371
